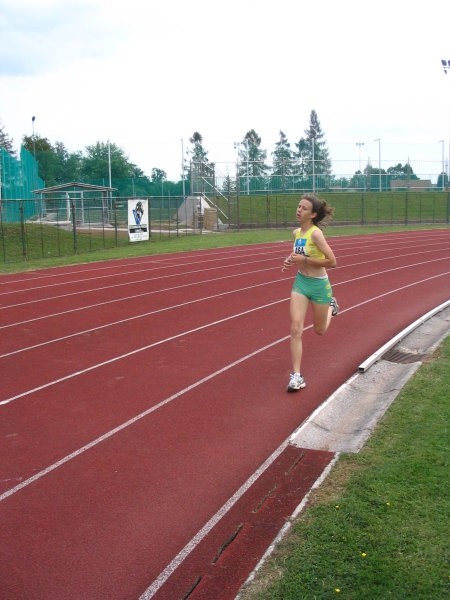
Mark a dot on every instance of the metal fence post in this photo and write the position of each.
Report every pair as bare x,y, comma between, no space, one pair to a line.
74,227
115,222
22,230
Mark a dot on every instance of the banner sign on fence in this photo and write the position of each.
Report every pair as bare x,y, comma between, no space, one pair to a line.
138,220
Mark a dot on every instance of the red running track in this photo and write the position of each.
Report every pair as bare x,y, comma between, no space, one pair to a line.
144,419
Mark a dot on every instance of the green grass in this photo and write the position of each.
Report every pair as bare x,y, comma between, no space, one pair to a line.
43,241
34,240
379,526
349,207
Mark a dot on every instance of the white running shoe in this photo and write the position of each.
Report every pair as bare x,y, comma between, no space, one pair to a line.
296,382
334,307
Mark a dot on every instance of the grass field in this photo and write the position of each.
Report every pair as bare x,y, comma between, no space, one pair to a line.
93,247
30,240
379,526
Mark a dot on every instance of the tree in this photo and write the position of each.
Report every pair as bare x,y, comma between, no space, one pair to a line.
202,173
198,153
442,181
251,161
313,152
158,175
229,185
400,171
374,177
282,167
45,156
95,165
6,142
69,164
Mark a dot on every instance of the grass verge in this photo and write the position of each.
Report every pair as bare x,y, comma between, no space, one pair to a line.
92,251
379,526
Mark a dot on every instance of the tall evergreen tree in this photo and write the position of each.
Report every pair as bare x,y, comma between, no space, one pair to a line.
197,152
252,166
252,153
313,145
282,167
202,176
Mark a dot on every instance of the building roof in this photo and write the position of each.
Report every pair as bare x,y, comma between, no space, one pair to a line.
74,186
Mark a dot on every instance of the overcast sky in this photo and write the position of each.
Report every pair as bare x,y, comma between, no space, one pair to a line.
146,74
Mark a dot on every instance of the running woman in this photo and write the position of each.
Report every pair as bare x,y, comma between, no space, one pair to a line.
311,256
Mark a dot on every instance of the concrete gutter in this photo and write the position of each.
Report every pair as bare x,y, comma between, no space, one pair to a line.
345,421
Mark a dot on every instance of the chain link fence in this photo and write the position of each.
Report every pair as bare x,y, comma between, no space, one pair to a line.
37,228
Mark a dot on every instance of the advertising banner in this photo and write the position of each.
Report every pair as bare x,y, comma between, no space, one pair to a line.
138,222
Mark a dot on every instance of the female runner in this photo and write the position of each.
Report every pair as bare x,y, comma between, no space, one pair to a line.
311,256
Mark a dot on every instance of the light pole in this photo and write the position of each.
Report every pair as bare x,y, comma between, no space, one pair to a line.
33,119
109,164
379,163
360,145
238,179
248,174
443,165
313,140
182,168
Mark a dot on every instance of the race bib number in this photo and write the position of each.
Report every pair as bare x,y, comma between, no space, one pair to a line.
299,246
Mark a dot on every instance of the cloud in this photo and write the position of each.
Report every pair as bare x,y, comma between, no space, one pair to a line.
37,39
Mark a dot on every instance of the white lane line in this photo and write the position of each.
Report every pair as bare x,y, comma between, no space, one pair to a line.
136,351
355,306
130,422
140,316
128,283
203,532
137,271
160,260
141,295
151,279
147,261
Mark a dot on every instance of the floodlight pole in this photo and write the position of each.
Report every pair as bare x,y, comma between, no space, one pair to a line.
33,119
359,144
443,165
182,169
109,163
379,163
34,138
248,174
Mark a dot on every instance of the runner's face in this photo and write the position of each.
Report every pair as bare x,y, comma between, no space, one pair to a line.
304,211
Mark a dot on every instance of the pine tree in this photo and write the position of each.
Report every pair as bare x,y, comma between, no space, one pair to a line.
313,145
202,172
282,167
